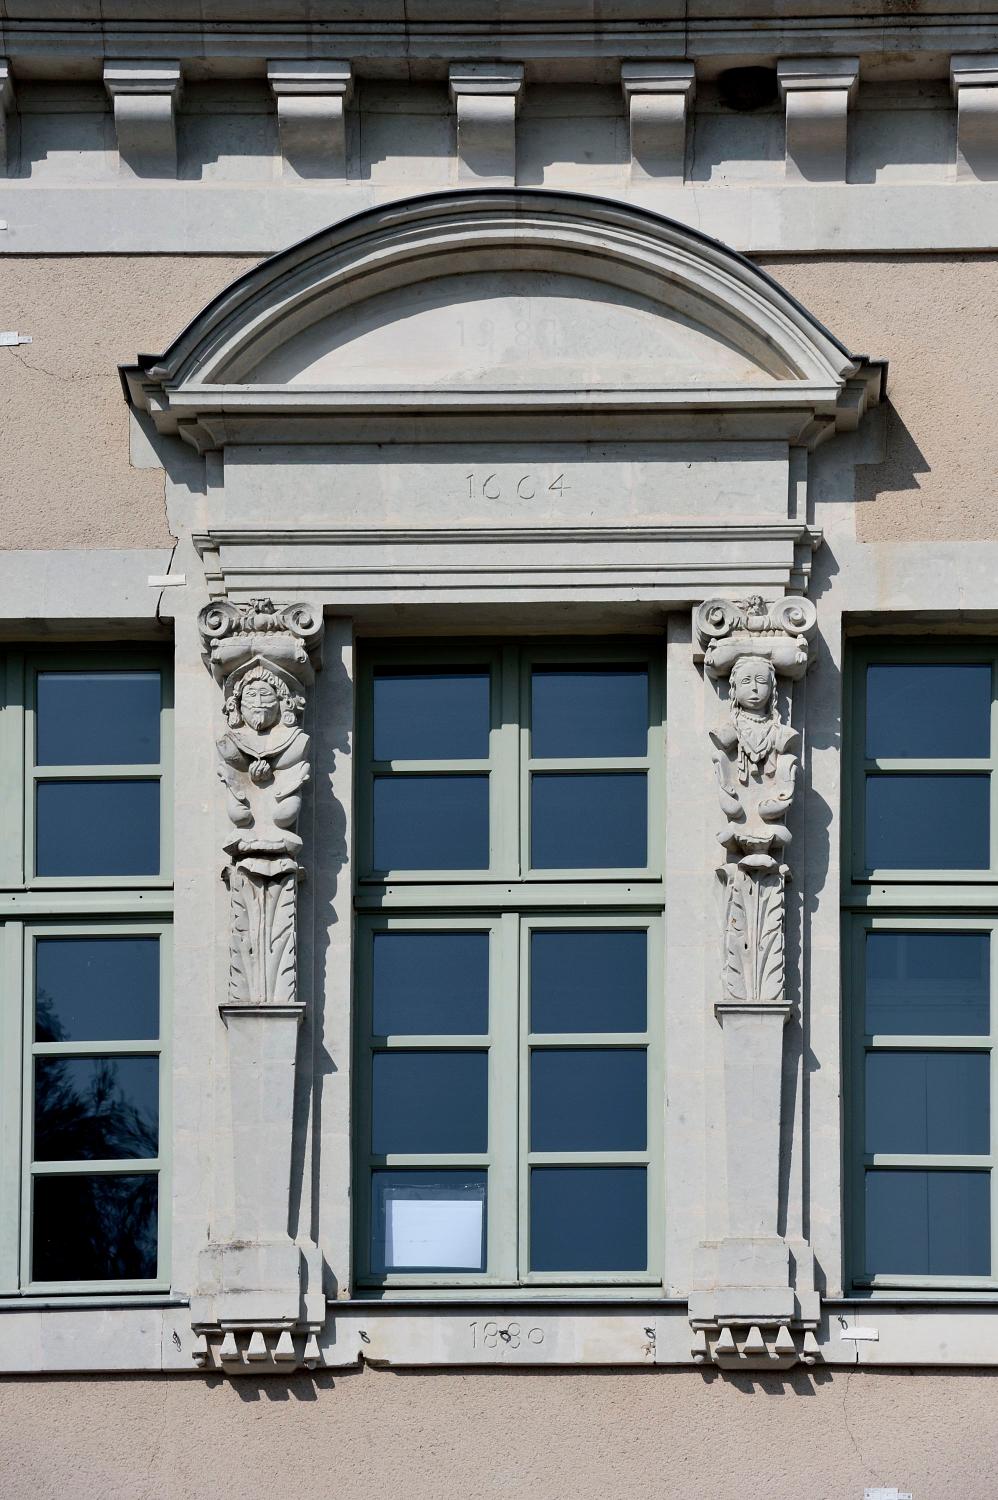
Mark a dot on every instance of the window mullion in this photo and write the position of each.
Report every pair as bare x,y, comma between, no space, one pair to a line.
11,991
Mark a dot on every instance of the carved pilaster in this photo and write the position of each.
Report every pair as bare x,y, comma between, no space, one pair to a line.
263,656
751,1277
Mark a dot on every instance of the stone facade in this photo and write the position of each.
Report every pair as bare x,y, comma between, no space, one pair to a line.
474,324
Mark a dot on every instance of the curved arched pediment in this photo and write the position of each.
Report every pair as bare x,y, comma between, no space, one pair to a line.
525,303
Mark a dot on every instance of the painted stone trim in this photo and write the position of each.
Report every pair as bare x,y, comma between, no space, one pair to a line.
753,1300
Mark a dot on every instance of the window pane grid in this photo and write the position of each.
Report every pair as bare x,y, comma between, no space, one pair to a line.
420,899
134,1256
923,1218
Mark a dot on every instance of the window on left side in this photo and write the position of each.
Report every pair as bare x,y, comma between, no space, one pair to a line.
85,908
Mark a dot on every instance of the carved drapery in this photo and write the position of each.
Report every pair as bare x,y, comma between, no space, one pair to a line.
754,1286
260,1303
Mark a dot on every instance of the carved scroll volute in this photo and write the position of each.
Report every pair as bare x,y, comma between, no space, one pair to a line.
751,644
263,657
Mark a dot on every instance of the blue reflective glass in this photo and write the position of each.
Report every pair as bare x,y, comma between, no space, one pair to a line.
431,822
94,1228
927,822
97,828
927,1102
96,1108
928,983
96,989
588,1219
422,715
588,1099
97,718
937,710
430,983
588,820
928,1223
588,980
429,1102
589,711
428,1220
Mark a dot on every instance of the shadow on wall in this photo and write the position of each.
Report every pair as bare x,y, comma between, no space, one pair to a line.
902,463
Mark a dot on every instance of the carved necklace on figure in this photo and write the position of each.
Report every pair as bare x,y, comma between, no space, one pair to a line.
756,737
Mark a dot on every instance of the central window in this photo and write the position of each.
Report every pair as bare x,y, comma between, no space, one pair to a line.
510,966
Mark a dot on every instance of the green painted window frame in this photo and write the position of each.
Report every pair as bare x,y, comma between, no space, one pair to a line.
32,907
509,900
909,901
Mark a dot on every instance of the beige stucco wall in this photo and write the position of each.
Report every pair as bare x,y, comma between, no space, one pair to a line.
66,480
935,318
598,1435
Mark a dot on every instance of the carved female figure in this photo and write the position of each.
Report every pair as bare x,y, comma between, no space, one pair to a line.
755,767
263,766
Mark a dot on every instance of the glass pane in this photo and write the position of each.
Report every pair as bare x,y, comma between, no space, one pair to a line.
428,1221
97,828
96,1108
420,715
97,718
430,1101
588,980
589,821
94,1228
588,1219
927,823
593,1099
589,711
431,822
939,710
927,1101
928,1223
431,983
96,989
928,983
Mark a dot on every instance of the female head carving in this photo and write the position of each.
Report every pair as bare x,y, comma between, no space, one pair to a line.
753,684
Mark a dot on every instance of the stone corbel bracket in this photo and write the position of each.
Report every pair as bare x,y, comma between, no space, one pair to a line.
6,109
486,97
144,96
256,1351
658,96
312,97
817,93
974,81
755,1346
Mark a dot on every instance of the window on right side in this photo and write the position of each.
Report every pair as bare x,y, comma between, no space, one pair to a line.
921,894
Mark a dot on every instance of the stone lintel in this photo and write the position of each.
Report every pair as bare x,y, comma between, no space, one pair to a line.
312,95
144,95
973,79
486,97
658,95
817,93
